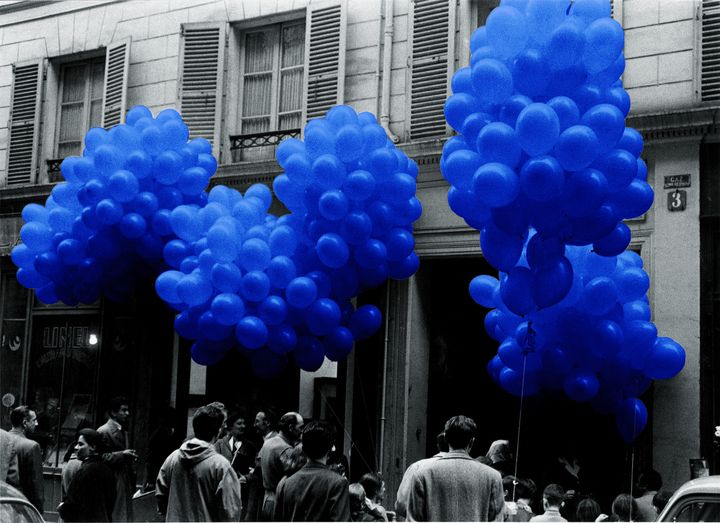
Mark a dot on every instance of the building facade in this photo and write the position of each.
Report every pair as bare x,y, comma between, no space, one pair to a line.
247,73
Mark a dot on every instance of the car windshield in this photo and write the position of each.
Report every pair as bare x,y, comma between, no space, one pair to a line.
18,512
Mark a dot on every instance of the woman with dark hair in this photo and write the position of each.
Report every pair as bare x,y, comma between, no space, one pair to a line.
624,508
374,493
588,510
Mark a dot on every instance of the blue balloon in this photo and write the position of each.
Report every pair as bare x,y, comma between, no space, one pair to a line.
599,296
566,110
516,291
495,184
492,80
506,31
566,46
530,72
577,147
665,360
365,322
551,283
309,353
538,128
584,192
497,142
631,419
501,250
458,107
542,178
482,289
251,333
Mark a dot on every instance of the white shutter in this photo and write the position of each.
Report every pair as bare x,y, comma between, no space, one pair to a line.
117,59
325,55
201,80
710,65
24,123
430,60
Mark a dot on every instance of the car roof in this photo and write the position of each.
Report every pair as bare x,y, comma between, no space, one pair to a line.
698,487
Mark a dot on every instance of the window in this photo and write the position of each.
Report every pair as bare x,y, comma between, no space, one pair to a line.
13,314
710,62
273,66
80,107
698,510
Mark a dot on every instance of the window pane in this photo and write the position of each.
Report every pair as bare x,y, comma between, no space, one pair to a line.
291,83
15,298
74,78
290,121
255,125
256,95
95,113
259,52
60,347
98,78
68,149
293,45
72,126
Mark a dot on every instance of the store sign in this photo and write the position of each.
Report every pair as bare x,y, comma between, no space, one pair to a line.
65,336
676,181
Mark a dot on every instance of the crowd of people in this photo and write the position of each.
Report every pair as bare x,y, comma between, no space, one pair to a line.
286,470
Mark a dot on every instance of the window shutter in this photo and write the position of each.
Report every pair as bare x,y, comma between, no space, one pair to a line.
117,59
325,52
24,123
429,68
710,77
201,81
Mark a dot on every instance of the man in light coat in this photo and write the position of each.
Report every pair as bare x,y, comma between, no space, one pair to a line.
29,456
8,460
455,487
119,457
196,483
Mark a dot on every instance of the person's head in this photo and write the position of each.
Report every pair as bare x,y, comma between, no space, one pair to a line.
553,496
317,440
265,422
624,507
357,497
441,442
88,444
661,499
587,510
207,421
291,424
24,418
523,489
374,486
119,409
499,451
460,432
235,424
649,480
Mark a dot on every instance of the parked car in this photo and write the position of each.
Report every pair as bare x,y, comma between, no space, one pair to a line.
696,500
15,508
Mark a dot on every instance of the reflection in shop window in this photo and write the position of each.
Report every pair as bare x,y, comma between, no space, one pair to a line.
62,377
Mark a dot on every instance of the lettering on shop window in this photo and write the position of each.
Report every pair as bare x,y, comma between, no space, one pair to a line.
65,337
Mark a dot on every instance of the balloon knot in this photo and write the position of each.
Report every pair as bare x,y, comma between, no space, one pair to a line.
567,12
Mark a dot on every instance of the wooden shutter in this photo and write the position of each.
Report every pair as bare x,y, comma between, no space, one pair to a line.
201,80
433,30
117,59
24,123
325,55
710,65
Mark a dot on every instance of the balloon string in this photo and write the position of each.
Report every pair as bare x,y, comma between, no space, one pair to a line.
529,346
632,457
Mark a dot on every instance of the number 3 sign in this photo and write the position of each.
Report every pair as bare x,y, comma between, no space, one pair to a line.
677,200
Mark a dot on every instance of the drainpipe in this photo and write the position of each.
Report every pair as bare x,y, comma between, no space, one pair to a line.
387,72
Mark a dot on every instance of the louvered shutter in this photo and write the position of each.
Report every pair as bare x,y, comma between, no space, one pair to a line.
117,59
710,77
325,52
201,81
24,123
429,68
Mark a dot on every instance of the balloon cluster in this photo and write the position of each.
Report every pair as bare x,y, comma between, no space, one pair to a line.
105,227
545,168
283,285
135,204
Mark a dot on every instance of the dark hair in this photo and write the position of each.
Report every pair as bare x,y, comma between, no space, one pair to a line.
92,438
523,488
317,439
459,430
587,510
372,483
234,416
624,507
207,421
19,414
649,480
441,442
554,494
357,497
660,499
117,402
288,421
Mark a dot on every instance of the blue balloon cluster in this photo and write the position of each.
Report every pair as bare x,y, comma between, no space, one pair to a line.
545,168
276,286
135,205
105,227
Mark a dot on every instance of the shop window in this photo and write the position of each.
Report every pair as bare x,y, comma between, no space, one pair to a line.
62,376
13,312
271,87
